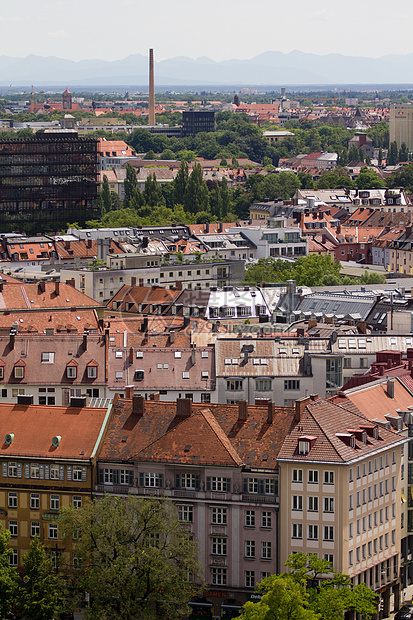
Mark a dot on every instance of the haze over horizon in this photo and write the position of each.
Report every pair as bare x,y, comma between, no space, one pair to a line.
78,30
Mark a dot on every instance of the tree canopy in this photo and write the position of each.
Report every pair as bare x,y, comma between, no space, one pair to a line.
301,595
135,556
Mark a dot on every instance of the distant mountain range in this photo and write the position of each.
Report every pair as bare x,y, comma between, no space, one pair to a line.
269,68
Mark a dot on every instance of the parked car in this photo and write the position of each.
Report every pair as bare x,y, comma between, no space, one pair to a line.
404,613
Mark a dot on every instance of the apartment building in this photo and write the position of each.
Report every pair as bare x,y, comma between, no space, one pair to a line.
47,459
218,464
340,494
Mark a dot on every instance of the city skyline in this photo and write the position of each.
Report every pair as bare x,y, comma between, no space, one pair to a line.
79,31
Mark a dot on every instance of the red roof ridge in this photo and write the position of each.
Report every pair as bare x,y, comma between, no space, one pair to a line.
211,420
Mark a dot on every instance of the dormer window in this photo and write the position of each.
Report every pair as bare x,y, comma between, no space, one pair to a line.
1,370
303,447
18,370
71,370
92,370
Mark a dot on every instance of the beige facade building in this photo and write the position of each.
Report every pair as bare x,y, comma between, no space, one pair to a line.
401,124
340,493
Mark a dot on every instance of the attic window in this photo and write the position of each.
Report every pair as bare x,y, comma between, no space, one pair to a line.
139,375
342,344
139,353
118,354
235,361
256,361
303,446
178,354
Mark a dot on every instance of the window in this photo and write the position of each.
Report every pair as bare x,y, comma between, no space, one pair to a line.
205,397
34,501
291,384
297,530
54,502
313,476
263,385
347,362
250,518
297,502
12,500
53,530
47,358
19,372
219,516
185,513
178,354
328,477
151,479
250,579
350,530
92,372
77,472
250,548
328,532
313,504
266,550
12,470
329,557
34,529
219,576
265,574
185,374
234,384
54,472
187,481
13,528
329,504
266,518
13,558
77,501
263,486
312,532
219,546
297,475
71,372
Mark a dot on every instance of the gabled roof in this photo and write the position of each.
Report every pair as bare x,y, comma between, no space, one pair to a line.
327,420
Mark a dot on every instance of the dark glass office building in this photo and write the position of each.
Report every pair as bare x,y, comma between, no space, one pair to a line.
195,121
47,181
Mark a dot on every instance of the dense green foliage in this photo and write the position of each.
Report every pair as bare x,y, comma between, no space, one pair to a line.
312,270
134,553
302,595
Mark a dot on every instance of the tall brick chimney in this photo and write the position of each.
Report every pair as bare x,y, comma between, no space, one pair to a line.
151,120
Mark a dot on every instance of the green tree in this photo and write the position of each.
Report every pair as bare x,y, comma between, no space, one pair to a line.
39,596
8,575
312,270
134,552
393,154
283,598
368,179
130,184
196,192
225,197
153,192
105,198
180,183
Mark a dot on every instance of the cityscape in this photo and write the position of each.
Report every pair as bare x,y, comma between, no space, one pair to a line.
206,337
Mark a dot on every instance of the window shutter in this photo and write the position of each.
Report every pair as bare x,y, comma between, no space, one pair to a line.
41,472
276,486
26,470
47,472
84,474
115,476
4,469
261,486
178,481
101,476
61,472
19,470
141,479
68,472
161,481
131,476
197,481
228,487
245,485
208,483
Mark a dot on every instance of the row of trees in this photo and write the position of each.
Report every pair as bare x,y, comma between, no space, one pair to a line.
312,270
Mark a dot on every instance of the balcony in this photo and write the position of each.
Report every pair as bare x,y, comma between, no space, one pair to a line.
259,499
113,488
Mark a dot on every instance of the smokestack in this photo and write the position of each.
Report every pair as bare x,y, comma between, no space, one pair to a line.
151,90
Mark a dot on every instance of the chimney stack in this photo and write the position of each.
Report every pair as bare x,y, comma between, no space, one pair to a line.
151,120
300,405
137,405
183,407
242,410
390,387
129,392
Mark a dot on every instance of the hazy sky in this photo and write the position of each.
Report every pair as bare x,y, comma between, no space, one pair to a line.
112,30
